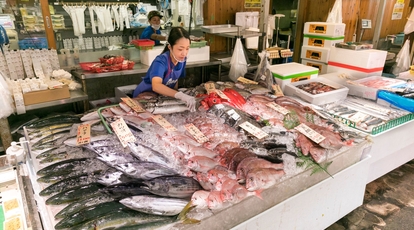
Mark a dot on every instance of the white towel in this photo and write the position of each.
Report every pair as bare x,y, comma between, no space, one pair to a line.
92,19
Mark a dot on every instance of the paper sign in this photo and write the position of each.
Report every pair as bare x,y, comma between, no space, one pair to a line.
222,95
233,114
133,104
247,81
122,131
255,131
358,117
196,133
84,134
210,87
310,133
164,123
278,90
278,108
263,77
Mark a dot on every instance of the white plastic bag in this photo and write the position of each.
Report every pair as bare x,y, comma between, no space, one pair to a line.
238,64
409,25
335,16
263,73
402,62
6,100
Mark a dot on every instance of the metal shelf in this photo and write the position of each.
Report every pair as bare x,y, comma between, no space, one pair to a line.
75,96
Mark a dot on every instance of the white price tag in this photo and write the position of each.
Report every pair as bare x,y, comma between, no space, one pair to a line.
222,95
133,104
164,123
310,133
233,114
122,131
278,90
255,131
278,108
247,81
83,135
263,77
210,87
196,133
358,117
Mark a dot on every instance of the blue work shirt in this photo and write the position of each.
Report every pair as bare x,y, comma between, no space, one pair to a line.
146,34
162,66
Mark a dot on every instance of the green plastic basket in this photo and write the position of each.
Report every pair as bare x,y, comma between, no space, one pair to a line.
198,44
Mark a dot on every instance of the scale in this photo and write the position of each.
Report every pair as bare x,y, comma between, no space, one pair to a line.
365,24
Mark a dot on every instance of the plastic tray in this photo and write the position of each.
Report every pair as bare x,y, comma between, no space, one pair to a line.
195,44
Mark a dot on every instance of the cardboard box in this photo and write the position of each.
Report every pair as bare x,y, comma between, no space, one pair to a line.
320,41
323,67
41,96
292,72
365,59
320,54
338,94
328,29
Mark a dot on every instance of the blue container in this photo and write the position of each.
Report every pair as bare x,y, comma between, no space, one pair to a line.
33,43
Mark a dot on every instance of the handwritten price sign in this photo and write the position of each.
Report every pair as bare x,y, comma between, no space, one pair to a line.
310,133
278,90
278,108
133,104
255,131
164,123
122,131
210,87
83,135
222,95
196,133
246,81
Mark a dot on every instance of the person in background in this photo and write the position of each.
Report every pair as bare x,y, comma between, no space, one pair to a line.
153,31
164,72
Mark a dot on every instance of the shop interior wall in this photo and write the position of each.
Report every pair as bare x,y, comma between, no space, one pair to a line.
352,12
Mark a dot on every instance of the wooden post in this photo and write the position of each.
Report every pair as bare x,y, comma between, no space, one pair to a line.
50,34
5,133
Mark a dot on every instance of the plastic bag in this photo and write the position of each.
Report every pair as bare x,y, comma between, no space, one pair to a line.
6,100
238,63
335,16
402,62
409,26
263,73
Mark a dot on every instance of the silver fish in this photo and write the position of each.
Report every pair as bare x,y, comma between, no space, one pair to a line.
113,177
144,153
72,141
114,159
145,170
167,109
155,205
173,186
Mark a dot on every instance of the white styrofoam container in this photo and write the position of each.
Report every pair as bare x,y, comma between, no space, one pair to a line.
370,92
338,94
367,59
328,29
122,91
292,72
247,19
320,41
320,54
323,67
194,54
355,73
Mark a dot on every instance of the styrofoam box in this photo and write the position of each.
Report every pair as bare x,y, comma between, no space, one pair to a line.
368,59
122,91
338,94
194,54
320,54
321,41
247,19
370,92
324,28
323,67
292,72
354,73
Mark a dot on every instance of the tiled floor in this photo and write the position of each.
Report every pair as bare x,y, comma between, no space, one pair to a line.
388,204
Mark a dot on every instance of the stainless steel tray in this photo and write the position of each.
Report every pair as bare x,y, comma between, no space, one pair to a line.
214,29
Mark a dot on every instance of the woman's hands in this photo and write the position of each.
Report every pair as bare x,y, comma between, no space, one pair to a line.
189,100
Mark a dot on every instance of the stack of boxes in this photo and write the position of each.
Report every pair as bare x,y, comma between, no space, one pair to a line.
318,40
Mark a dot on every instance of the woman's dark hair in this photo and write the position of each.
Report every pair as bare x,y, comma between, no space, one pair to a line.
175,34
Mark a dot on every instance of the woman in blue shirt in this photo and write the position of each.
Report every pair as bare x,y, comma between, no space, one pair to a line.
153,31
164,72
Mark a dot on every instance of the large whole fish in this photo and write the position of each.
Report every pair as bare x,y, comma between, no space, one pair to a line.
173,186
75,194
144,153
53,120
145,170
63,166
67,184
162,206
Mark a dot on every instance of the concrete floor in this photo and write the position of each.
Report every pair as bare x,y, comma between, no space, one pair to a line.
388,204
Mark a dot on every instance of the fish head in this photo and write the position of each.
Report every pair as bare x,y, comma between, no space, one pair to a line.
226,194
253,182
199,198
214,201
192,164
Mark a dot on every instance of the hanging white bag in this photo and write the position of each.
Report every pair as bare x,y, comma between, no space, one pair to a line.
409,25
335,16
402,62
238,63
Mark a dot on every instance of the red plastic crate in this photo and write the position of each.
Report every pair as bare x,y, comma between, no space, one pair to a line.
143,44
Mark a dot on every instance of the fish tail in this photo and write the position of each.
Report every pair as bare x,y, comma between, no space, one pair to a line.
258,193
190,221
186,209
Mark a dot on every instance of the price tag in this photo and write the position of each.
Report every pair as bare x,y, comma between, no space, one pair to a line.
310,133
222,95
278,108
358,117
278,90
233,114
84,134
210,87
133,104
164,123
122,131
247,81
255,131
196,133
263,77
